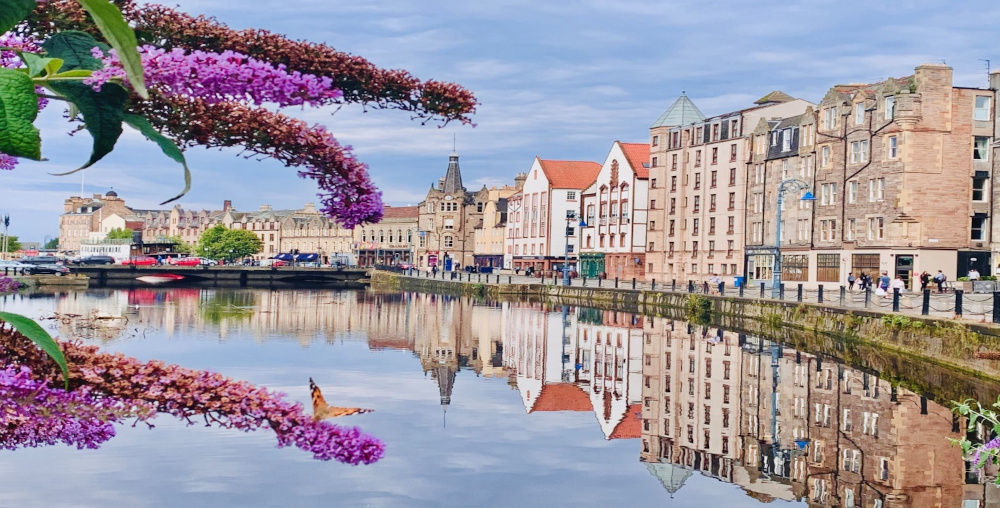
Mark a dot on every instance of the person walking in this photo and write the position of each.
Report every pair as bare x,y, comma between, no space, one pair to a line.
925,278
973,274
940,278
850,281
897,284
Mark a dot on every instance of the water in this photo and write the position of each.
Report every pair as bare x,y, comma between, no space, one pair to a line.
495,404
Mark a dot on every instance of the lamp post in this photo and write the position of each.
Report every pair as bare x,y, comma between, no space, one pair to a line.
789,184
570,217
231,259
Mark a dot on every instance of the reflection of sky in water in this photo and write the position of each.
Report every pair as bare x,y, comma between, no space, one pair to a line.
490,453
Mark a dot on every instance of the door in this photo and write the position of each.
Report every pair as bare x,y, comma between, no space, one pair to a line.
904,267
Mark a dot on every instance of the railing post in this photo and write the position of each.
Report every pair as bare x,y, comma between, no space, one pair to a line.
569,281
673,284
843,296
654,285
958,302
704,286
781,291
616,282
895,299
690,286
925,310
996,306
819,296
741,289
798,295
762,290
633,282
598,281
508,279
868,298
584,282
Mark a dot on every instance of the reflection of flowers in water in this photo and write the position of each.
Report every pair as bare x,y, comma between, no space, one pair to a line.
128,387
8,285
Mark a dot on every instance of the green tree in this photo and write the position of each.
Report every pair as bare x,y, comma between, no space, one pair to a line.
52,244
180,245
120,234
13,245
222,243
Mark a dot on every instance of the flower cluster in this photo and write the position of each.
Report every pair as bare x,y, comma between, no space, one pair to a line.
7,284
190,394
217,77
36,415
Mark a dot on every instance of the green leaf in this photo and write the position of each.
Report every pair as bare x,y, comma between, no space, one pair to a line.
77,73
74,48
39,65
18,109
170,149
103,113
39,336
13,12
121,36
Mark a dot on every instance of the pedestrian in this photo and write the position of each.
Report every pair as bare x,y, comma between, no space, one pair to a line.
883,281
898,284
850,281
434,270
925,278
716,282
863,283
940,279
973,274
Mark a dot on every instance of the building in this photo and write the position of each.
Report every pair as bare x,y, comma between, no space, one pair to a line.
447,221
84,217
698,187
489,234
391,241
615,215
903,175
542,217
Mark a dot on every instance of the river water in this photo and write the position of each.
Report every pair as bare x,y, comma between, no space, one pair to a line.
498,404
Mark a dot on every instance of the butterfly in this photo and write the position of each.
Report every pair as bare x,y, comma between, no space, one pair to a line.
322,410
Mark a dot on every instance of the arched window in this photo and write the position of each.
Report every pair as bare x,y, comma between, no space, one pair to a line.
409,236
381,236
391,238
399,235
364,236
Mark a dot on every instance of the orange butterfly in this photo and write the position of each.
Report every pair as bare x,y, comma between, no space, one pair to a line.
322,410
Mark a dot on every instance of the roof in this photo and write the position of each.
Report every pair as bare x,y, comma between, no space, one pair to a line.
775,96
570,174
401,212
562,397
681,112
638,157
630,426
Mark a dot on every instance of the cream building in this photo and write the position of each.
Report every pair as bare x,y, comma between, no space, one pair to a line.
447,221
83,217
489,234
391,241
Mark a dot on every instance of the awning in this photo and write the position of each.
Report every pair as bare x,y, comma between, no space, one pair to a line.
307,257
284,256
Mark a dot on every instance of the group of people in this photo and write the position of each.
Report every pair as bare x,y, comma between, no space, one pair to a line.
884,285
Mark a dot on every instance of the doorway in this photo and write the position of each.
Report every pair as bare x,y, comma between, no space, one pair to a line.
904,267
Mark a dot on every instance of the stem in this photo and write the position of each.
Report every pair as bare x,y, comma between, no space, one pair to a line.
53,97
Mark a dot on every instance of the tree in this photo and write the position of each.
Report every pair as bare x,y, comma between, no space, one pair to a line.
120,234
221,243
52,244
180,246
13,245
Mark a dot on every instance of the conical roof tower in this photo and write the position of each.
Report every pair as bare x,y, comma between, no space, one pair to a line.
681,112
453,178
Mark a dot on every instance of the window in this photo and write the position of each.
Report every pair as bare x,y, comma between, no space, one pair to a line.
448,224
715,155
982,110
828,230
715,179
795,267
876,229
697,204
824,157
711,203
697,181
673,205
893,150
732,176
876,189
673,184
828,194
694,224
830,118
859,151
890,107
852,191
673,161
697,158
859,113
652,183
656,140
981,148
730,229
786,140
979,228
979,189
449,242
571,195
828,268
883,468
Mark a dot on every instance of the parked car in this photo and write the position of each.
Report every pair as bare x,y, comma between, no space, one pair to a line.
13,267
272,262
47,270
95,260
141,261
405,266
41,260
186,261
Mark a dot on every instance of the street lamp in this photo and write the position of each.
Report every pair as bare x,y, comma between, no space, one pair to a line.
790,184
231,259
570,216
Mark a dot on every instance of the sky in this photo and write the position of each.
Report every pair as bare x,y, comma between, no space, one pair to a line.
558,80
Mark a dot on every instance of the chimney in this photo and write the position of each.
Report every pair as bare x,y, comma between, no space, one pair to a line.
227,205
265,208
520,179
309,208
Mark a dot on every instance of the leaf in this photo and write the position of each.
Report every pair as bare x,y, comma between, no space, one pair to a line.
39,65
121,36
18,109
13,12
170,149
74,48
76,73
103,113
39,336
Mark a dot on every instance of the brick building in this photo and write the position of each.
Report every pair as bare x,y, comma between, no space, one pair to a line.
447,221
83,217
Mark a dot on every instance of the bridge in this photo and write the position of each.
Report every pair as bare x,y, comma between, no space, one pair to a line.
226,276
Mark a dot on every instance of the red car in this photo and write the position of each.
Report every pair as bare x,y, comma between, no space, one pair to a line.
140,261
188,261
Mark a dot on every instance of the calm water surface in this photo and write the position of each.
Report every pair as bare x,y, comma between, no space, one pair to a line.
505,404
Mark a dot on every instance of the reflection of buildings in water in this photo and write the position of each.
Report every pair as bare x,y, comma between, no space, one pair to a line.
609,351
793,426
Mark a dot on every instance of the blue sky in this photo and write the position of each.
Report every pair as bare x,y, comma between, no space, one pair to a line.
560,80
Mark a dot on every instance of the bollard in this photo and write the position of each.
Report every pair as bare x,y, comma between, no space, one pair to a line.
690,286
722,289
762,290
598,281
843,295
868,298
958,302
895,299
673,284
819,296
479,277
996,306
925,310
781,291
654,284
584,282
569,281
616,282
633,282
741,290
704,287
798,296
508,279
